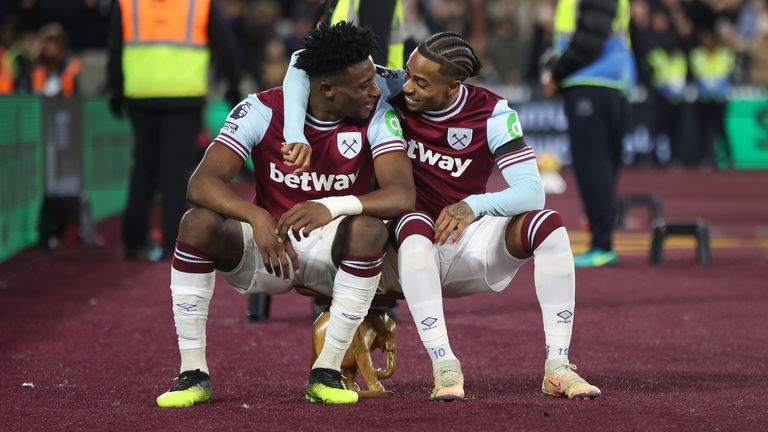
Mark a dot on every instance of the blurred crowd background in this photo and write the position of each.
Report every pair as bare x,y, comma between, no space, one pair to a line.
510,35
692,57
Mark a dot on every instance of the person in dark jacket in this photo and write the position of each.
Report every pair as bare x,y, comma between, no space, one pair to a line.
158,63
593,68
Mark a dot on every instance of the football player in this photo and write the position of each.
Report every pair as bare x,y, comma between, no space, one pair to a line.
321,229
461,239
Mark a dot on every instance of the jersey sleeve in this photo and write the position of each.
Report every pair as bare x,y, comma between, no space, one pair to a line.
524,193
295,98
390,81
385,135
245,126
503,126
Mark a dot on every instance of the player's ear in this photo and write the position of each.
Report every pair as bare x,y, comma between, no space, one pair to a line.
327,89
453,88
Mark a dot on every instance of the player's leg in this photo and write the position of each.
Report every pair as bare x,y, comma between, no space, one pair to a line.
206,241
358,249
420,282
542,234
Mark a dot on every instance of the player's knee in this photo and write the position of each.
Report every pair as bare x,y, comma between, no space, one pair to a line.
199,226
416,253
537,226
367,235
415,223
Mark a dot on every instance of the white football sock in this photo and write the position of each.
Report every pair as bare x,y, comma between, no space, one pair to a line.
420,280
555,281
352,296
191,293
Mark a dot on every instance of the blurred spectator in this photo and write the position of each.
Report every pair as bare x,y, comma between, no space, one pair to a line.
509,42
158,63
21,53
758,48
6,71
678,16
711,67
668,70
643,36
415,21
253,26
748,38
542,37
53,72
275,64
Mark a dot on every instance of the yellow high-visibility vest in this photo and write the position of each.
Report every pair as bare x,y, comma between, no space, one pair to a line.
614,67
165,48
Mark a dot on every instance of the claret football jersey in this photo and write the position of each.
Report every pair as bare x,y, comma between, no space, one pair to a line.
453,150
342,151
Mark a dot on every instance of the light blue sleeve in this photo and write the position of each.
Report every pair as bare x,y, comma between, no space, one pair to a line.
245,126
385,135
295,99
524,193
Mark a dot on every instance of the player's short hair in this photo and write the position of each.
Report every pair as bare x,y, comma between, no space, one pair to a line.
453,53
329,50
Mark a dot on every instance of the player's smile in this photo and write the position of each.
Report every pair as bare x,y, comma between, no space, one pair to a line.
411,101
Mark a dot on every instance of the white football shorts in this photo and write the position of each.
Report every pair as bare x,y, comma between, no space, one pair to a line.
315,261
477,262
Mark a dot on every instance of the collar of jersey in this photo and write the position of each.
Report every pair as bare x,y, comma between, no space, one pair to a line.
320,124
452,110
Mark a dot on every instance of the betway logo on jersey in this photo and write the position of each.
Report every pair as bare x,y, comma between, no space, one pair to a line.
456,166
309,181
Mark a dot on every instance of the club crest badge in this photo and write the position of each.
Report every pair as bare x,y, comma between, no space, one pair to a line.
459,138
349,143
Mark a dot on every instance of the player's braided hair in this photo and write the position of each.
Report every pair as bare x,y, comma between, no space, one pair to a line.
331,49
454,54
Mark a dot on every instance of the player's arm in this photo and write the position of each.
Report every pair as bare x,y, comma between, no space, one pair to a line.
394,172
396,193
517,164
297,150
209,186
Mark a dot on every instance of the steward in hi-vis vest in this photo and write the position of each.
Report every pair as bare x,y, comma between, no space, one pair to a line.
159,52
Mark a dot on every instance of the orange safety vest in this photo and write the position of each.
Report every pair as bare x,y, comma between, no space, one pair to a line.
165,50
6,76
40,75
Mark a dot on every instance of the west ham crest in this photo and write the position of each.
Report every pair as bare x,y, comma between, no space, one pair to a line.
349,143
459,138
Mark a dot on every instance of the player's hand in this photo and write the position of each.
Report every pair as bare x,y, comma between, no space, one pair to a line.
297,155
307,217
456,217
276,254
